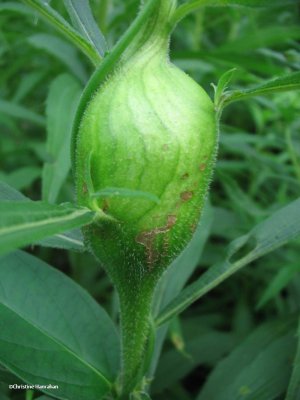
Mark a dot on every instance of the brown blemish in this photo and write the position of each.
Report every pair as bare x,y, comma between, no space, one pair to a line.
147,239
165,147
202,166
186,196
184,176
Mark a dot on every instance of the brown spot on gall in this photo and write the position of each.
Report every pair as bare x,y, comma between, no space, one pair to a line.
147,239
202,166
184,176
186,196
165,147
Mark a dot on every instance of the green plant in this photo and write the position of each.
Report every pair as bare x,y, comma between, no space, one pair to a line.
143,151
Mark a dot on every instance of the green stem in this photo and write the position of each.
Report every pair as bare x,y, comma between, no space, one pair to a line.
29,394
136,330
56,20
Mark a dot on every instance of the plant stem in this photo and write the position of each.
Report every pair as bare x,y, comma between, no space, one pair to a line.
135,330
56,20
29,394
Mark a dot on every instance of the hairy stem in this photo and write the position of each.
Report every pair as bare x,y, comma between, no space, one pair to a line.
135,329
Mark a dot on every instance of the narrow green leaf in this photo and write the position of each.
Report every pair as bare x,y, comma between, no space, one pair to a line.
21,112
280,228
72,240
259,368
61,106
61,25
281,84
293,392
82,18
60,49
192,5
61,335
26,222
122,192
223,84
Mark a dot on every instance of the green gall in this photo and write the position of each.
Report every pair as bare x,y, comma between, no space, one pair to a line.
148,129
144,151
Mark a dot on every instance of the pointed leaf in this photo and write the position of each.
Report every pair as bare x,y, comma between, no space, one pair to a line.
61,336
281,84
71,240
82,18
26,222
223,84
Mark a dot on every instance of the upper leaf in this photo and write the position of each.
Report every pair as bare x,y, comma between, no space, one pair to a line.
281,84
83,20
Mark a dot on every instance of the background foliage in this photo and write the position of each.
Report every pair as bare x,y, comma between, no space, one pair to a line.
241,337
